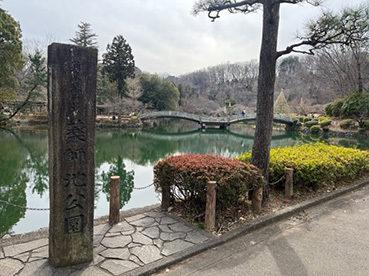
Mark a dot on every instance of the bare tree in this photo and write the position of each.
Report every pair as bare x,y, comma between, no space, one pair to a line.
325,31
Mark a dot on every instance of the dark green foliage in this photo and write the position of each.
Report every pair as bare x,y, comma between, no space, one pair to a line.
11,58
346,124
118,63
315,129
161,95
356,106
325,123
311,123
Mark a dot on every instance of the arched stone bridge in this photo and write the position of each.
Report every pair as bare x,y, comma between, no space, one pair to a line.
222,122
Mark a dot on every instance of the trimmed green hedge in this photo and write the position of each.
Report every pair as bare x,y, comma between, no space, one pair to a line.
347,123
316,164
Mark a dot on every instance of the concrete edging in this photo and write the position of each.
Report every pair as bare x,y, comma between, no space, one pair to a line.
242,230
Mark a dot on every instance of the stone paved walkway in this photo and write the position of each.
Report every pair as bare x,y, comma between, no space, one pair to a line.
134,242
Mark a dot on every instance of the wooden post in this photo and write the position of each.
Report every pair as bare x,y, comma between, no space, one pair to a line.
288,186
165,197
210,205
114,199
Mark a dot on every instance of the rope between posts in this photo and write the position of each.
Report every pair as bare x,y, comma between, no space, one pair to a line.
47,209
279,180
23,207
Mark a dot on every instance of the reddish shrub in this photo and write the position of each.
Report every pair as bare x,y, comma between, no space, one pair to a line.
188,174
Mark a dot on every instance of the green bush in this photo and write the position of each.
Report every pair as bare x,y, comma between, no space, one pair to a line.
315,164
322,118
315,129
346,124
334,109
299,118
307,119
311,123
325,123
188,174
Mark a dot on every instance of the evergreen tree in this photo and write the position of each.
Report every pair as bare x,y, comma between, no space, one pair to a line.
85,37
118,63
11,58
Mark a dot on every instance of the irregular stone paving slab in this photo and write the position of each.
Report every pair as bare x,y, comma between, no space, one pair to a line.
10,267
101,229
23,257
165,228
147,253
196,237
175,246
172,236
140,238
144,222
152,232
90,271
41,253
134,218
116,253
97,259
179,227
155,214
122,226
167,220
133,258
117,267
2,255
116,242
39,268
17,249
159,243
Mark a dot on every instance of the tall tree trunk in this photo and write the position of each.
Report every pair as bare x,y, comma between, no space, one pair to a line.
265,94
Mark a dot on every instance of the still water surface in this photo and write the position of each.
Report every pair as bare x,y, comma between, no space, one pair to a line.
129,153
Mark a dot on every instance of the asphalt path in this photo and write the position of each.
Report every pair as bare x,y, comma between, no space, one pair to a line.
331,238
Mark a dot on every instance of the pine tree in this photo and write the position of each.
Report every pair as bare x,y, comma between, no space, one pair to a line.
118,63
84,37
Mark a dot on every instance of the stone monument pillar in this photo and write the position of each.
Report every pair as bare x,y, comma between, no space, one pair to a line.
72,111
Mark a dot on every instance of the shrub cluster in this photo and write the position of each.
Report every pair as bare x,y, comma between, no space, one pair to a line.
316,164
346,124
314,129
188,175
311,123
325,123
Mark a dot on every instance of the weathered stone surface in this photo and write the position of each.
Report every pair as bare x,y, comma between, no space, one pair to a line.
147,253
140,238
10,267
17,249
167,220
1,255
136,260
144,222
172,236
72,112
41,253
101,229
39,268
98,259
90,271
196,237
159,243
116,242
175,246
134,218
154,214
152,232
23,257
165,228
124,227
116,253
179,227
117,267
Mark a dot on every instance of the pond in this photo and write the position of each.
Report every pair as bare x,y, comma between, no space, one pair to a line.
129,153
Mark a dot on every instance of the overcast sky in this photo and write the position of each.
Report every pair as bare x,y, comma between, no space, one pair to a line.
163,35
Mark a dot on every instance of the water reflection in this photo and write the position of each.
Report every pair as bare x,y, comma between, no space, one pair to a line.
127,153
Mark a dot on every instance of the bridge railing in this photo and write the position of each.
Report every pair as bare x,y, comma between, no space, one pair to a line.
214,120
